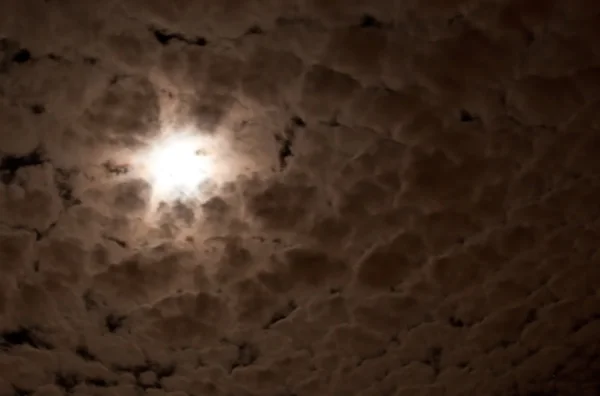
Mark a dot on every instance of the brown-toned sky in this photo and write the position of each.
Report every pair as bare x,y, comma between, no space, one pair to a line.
404,198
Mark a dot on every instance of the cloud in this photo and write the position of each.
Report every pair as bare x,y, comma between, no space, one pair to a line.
125,114
404,197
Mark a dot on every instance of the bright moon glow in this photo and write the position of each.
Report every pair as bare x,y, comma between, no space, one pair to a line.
178,165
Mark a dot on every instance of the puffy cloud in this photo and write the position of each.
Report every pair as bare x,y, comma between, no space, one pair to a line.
30,200
404,197
325,92
126,113
19,136
269,75
389,263
281,206
16,252
144,278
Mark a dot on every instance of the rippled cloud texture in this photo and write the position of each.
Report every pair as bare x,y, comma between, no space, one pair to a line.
405,201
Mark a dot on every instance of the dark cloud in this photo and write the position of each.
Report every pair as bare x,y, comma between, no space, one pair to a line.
125,114
404,198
